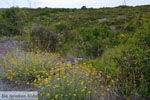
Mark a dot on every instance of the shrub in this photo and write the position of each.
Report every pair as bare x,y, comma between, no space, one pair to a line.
24,67
129,64
44,38
90,42
13,20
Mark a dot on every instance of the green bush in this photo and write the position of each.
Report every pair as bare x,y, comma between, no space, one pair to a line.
12,21
90,42
129,65
44,38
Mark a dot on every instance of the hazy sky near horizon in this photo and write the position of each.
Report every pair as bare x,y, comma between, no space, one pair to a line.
70,3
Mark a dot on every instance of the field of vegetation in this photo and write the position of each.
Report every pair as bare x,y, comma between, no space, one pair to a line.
79,54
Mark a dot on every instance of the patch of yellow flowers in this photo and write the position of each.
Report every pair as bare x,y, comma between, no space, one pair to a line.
56,79
123,35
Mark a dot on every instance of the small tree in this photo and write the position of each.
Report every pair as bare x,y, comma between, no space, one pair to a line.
83,7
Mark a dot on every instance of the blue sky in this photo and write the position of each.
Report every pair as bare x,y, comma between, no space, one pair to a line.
70,3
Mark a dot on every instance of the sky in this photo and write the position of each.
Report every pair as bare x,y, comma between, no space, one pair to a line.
70,3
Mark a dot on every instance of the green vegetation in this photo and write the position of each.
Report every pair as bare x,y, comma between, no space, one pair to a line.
115,41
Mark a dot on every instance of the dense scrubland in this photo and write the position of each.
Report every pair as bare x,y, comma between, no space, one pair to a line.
114,44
